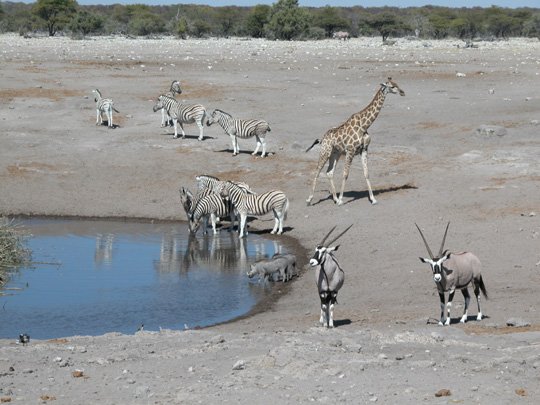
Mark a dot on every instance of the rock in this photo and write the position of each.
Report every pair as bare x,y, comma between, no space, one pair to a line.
521,392
142,391
489,130
443,393
437,337
239,365
517,322
77,374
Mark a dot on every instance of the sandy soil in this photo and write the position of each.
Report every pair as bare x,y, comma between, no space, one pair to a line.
430,162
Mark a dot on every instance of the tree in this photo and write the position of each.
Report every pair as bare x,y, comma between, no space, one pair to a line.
200,28
54,13
145,23
287,20
257,18
386,24
329,19
85,23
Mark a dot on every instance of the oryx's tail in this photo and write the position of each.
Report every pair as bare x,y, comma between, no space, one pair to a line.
314,143
483,288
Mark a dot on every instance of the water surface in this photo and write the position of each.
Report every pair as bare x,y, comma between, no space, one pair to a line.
93,277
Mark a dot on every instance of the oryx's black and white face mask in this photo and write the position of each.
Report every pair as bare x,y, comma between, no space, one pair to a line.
436,265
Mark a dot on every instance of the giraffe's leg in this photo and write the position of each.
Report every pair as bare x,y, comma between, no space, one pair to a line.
323,158
334,158
347,167
366,175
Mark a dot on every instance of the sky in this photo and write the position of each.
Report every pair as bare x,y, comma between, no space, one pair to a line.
342,3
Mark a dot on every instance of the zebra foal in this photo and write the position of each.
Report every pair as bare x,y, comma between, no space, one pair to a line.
173,91
104,106
244,129
256,204
182,114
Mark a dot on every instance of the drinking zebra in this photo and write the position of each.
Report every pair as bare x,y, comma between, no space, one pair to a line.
173,91
213,206
244,129
256,204
104,105
182,114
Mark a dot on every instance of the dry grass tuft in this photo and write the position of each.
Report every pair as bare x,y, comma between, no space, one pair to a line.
13,251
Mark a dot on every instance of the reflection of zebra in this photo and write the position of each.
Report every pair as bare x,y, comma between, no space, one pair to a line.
173,91
104,105
182,114
244,129
104,248
256,204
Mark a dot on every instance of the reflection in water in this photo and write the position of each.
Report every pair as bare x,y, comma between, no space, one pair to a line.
157,275
104,248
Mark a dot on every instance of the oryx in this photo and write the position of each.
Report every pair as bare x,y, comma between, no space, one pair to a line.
329,277
453,271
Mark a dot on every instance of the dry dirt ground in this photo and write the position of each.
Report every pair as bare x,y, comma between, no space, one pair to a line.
461,146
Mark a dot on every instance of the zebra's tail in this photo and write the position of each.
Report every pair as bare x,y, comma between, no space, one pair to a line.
314,143
285,209
116,110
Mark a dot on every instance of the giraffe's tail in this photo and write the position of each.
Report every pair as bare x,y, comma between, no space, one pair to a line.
314,143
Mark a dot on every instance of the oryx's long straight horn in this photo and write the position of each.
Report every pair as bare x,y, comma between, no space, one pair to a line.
425,242
444,239
340,235
327,235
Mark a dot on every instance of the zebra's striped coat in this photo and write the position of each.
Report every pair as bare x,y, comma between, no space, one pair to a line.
173,91
182,114
256,204
244,129
104,106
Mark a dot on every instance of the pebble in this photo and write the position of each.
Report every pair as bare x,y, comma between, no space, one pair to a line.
239,365
517,322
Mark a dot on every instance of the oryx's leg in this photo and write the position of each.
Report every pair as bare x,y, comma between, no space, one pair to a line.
477,294
467,298
334,159
441,300
366,175
201,127
331,316
323,158
323,313
449,307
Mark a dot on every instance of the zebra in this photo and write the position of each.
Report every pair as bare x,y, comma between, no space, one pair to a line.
256,204
207,182
173,91
211,205
104,105
236,128
182,113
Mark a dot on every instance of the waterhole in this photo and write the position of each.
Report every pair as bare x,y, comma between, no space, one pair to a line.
90,277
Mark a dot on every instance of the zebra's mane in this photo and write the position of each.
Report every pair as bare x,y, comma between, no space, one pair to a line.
223,112
97,92
206,176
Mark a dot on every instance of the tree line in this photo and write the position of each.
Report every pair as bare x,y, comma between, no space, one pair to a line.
284,20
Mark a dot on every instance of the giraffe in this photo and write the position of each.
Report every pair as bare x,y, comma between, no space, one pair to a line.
350,139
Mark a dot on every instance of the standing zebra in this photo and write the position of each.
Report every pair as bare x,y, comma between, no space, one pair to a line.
256,204
104,105
173,91
244,129
182,113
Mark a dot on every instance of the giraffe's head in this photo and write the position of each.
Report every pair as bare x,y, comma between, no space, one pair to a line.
391,87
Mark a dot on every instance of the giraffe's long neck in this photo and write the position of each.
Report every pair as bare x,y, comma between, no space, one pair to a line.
370,113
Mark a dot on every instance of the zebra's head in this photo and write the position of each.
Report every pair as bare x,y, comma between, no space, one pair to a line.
159,104
436,262
391,87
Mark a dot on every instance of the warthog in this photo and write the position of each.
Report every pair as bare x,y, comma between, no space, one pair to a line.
267,268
